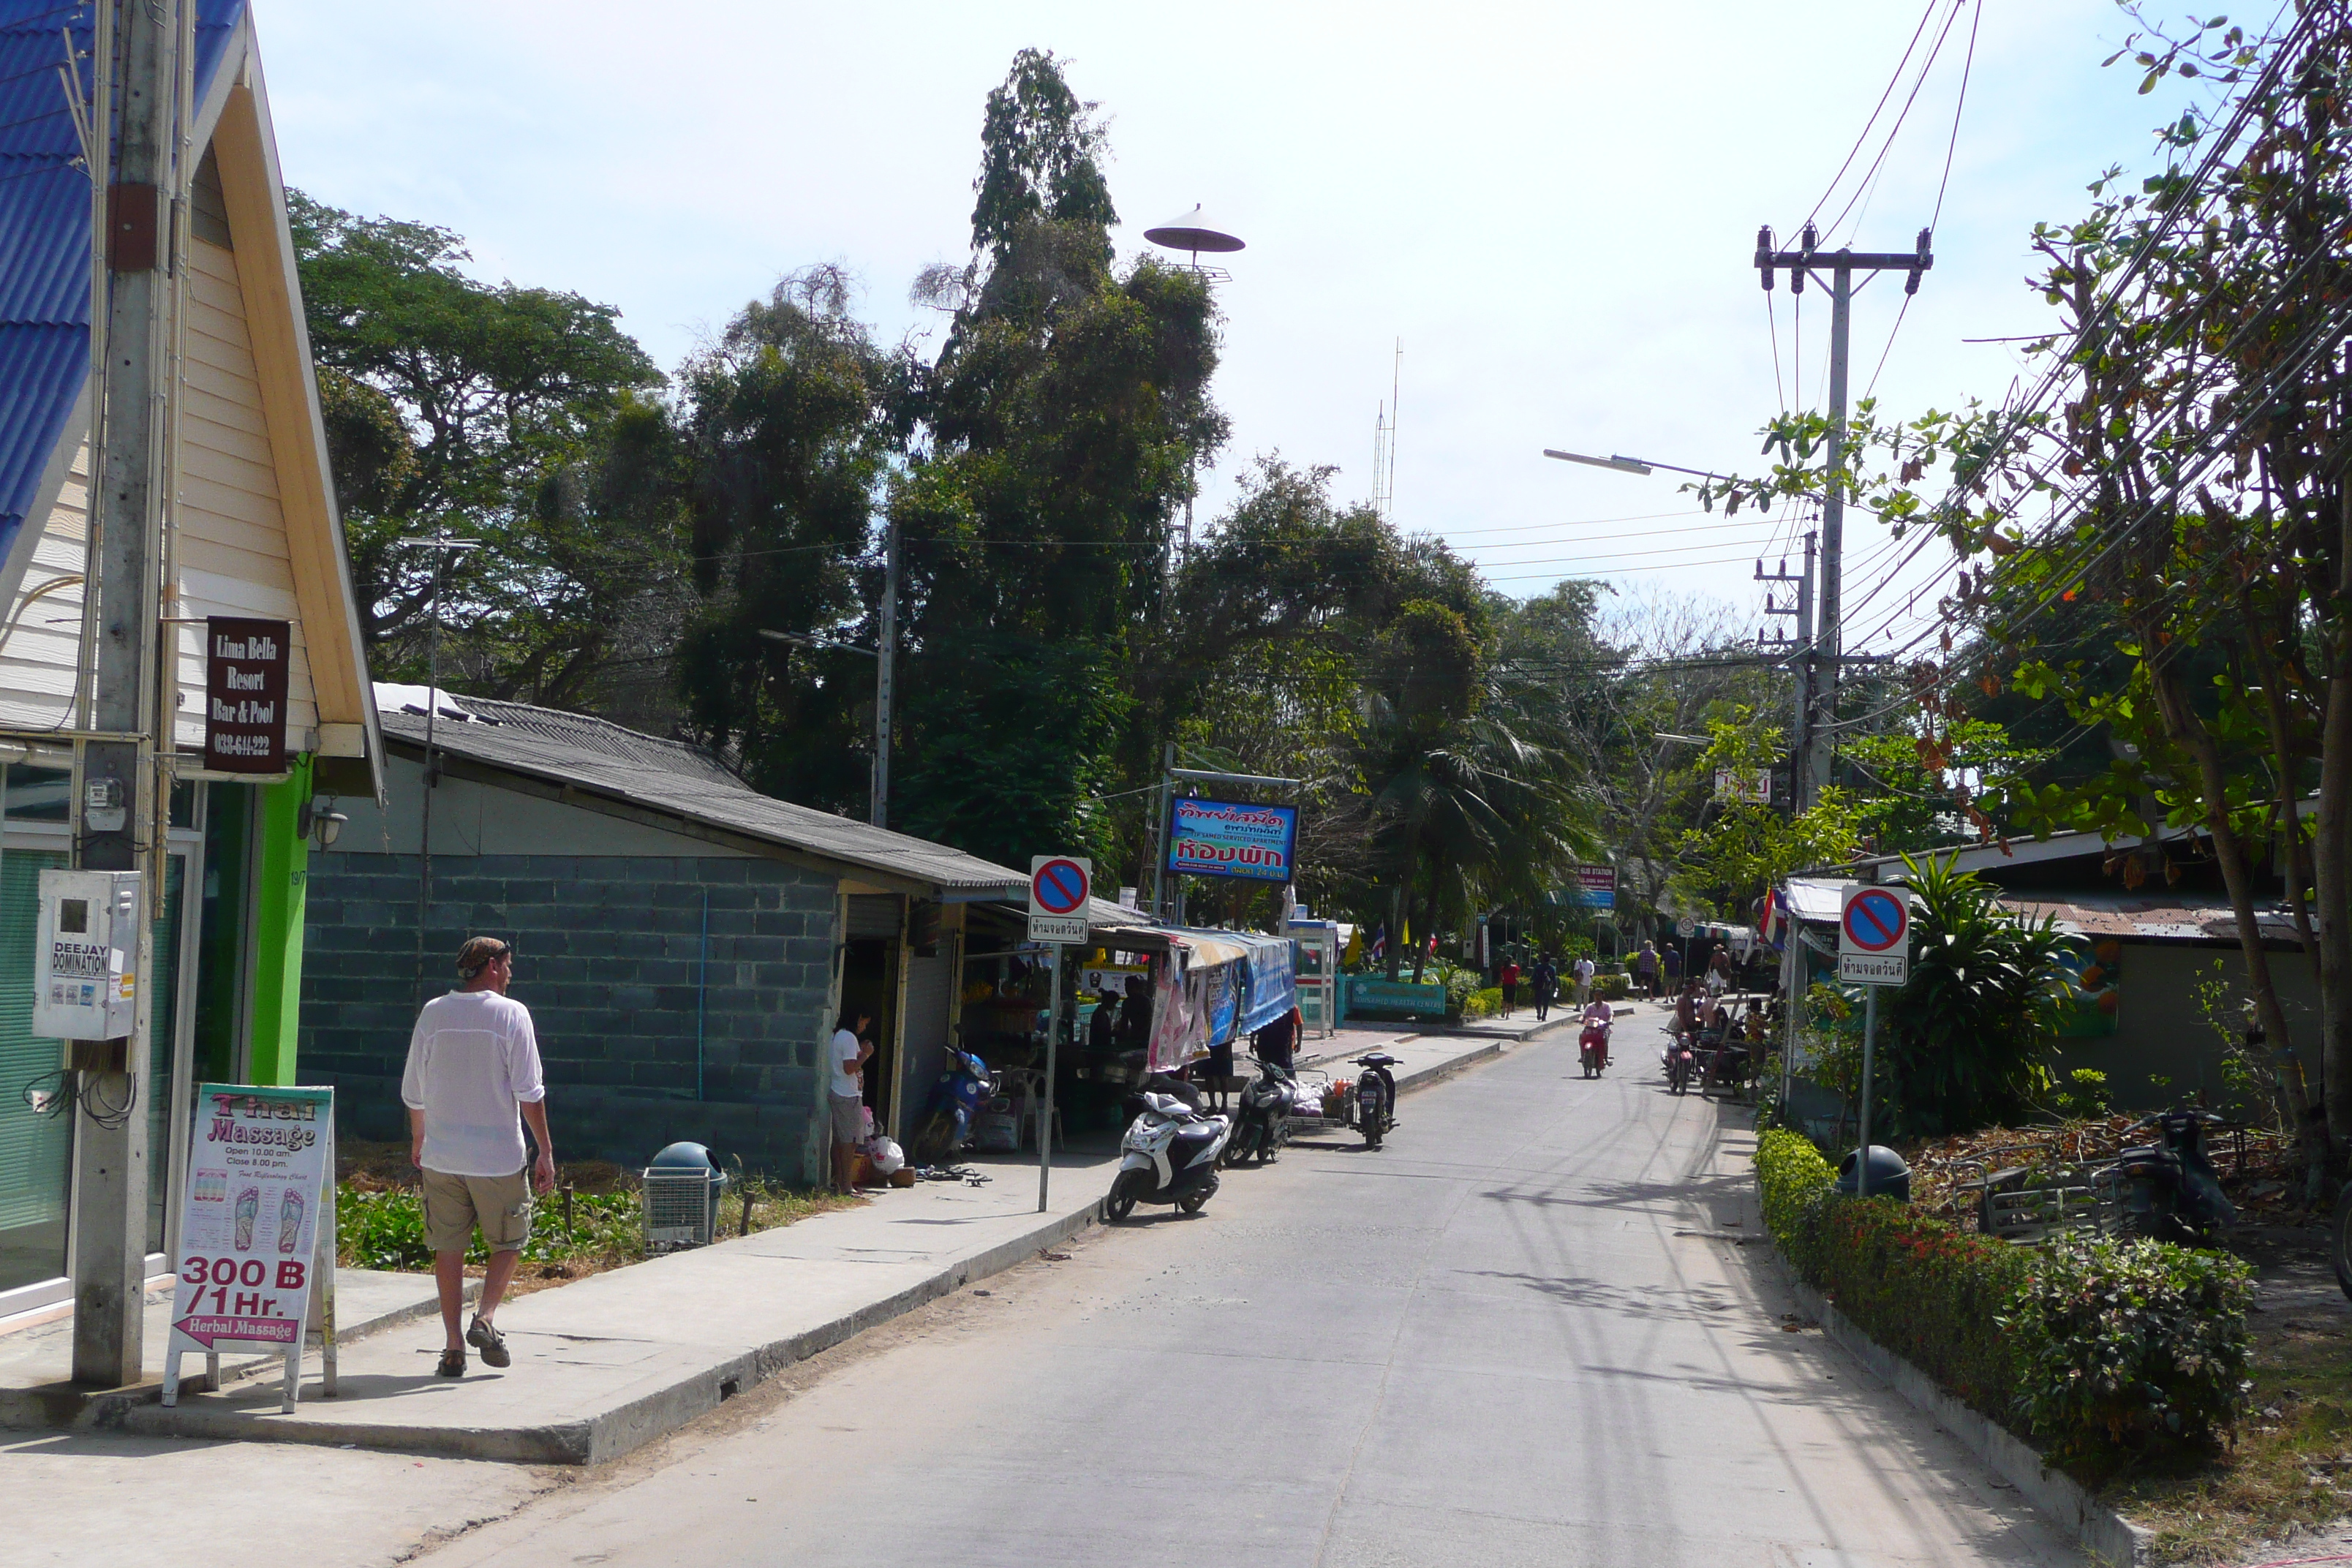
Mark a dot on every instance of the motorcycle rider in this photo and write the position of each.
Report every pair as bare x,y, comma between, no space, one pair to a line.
1686,1011
1598,1015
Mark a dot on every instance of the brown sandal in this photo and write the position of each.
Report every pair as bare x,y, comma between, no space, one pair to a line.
453,1365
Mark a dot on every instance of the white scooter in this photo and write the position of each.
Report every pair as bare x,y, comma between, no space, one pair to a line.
1169,1156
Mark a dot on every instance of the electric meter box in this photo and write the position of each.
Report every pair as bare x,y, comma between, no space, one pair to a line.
85,976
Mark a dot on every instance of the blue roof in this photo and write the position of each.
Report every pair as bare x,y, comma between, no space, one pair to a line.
45,232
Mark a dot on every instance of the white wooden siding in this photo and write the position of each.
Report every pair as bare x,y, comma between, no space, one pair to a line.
233,558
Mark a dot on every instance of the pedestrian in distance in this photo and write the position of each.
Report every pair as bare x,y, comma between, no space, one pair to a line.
849,1052
1645,970
1718,970
1670,965
1584,971
473,1079
1510,982
1544,978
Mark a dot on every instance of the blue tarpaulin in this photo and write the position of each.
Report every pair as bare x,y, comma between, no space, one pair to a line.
1259,983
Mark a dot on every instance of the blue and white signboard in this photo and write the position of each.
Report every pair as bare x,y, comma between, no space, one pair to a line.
1223,838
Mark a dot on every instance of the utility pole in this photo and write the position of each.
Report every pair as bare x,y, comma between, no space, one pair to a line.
1801,663
1805,261
885,649
116,800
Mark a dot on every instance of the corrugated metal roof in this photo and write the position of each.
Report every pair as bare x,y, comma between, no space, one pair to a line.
45,232
670,776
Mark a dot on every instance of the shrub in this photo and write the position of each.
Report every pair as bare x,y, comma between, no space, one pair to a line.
2138,1346
1930,1293
2089,1344
1611,987
387,1229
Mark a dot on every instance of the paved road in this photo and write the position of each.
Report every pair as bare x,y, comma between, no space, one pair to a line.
1512,1336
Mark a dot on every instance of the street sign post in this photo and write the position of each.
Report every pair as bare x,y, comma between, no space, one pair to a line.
1874,949
1059,886
1873,937
1750,784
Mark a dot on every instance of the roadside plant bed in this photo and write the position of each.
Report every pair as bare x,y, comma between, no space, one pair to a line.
380,1218
2110,1355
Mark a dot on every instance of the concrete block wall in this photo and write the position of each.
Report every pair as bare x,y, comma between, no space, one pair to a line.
610,957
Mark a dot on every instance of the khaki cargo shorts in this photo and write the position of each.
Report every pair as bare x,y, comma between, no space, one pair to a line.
455,1205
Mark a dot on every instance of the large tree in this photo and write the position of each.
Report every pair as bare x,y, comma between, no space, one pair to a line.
485,411
787,427
1059,430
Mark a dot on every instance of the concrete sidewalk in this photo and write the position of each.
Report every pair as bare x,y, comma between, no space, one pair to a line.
617,1360
36,1356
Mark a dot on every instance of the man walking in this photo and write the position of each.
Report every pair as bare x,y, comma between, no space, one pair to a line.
1584,971
1545,976
472,1081
1645,969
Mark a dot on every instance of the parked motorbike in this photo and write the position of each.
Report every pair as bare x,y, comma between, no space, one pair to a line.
2168,1190
946,1124
1262,1118
1592,1049
1681,1058
1168,1156
1375,1098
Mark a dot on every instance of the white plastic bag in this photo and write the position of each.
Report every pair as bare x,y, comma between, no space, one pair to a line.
886,1154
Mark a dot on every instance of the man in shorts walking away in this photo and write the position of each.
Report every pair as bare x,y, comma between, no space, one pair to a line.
473,1079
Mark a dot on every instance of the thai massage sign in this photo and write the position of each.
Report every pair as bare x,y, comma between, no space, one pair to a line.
246,666
256,1228
1222,838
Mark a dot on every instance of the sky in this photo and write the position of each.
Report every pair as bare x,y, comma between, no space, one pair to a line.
1553,209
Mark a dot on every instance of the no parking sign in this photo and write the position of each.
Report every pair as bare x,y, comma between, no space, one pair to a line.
1873,936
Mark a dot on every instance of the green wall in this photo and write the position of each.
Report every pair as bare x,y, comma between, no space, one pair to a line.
281,876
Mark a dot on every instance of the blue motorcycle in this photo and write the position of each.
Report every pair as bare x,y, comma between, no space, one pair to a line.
946,1125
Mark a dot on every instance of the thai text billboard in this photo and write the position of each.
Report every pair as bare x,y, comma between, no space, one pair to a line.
1223,838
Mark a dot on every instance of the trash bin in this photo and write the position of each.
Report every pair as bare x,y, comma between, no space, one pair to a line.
1889,1176
681,1198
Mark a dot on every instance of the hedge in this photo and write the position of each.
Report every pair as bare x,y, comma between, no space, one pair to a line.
2085,1344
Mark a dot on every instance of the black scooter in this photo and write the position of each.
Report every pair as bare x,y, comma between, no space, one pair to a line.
1262,1119
1375,1096
2168,1190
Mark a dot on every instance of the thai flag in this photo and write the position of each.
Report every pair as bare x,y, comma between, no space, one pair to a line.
1381,942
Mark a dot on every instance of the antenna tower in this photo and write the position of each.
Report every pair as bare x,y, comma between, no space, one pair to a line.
1384,438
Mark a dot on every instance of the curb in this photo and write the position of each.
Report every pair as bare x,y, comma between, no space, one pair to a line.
65,1407
2110,1540
607,1435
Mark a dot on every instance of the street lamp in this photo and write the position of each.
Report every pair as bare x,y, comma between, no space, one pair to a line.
1622,464
1193,233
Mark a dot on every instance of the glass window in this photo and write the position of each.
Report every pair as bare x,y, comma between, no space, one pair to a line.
38,794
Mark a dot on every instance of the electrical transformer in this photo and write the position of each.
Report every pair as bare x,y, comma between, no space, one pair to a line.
85,976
